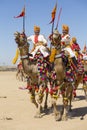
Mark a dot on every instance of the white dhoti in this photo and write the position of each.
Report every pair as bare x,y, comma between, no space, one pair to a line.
42,49
69,50
84,57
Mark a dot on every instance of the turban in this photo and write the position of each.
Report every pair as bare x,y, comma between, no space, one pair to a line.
65,28
36,29
74,40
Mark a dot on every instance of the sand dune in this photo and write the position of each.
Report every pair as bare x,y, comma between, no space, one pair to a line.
17,112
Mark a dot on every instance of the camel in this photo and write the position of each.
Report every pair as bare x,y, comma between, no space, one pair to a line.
80,77
37,87
85,79
60,83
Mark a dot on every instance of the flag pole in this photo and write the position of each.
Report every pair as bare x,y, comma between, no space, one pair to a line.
22,14
24,17
58,18
24,24
24,21
52,33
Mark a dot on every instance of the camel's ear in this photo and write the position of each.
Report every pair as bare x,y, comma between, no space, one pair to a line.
16,33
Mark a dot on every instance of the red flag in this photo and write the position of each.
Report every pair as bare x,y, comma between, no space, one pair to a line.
21,14
53,14
85,48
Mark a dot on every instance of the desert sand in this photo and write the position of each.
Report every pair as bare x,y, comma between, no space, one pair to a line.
17,112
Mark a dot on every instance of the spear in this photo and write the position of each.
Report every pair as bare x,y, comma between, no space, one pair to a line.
58,18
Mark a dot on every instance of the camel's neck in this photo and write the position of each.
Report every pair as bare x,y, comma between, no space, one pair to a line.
25,63
58,51
24,50
58,48
28,66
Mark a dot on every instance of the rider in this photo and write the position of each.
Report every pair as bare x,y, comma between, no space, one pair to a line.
65,43
39,43
84,53
76,49
75,46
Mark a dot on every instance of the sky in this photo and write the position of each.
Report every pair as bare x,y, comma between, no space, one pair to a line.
38,12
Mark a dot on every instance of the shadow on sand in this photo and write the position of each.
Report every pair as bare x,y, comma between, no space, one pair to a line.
75,113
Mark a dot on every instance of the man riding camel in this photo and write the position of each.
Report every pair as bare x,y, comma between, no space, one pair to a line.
75,46
65,43
77,51
40,52
39,43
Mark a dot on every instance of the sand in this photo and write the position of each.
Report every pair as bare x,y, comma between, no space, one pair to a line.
17,112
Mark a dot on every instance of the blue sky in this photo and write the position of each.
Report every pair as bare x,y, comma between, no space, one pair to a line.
38,12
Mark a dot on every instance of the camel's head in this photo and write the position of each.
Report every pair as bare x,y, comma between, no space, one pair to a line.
56,37
20,38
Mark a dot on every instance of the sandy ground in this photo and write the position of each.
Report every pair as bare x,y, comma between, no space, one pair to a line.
17,112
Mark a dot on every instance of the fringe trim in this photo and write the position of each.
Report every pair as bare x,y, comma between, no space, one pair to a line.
52,56
16,56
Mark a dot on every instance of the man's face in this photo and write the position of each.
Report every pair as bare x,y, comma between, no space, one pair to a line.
64,32
36,33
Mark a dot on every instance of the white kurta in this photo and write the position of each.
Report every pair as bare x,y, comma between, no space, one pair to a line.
84,57
69,50
66,40
41,48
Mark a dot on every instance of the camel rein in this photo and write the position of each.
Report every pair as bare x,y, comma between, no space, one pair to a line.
58,55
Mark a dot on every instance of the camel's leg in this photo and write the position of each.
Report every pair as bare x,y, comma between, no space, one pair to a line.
85,90
57,114
17,74
39,99
67,97
65,109
45,103
21,75
46,90
70,101
31,92
32,97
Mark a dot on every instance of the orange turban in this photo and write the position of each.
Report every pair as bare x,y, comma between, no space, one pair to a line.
65,28
74,40
36,29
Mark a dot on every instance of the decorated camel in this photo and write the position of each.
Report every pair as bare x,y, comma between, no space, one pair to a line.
36,85
80,75
56,76
60,83
84,60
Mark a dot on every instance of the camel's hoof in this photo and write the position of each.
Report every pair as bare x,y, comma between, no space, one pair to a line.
45,107
37,116
57,117
75,99
69,115
64,117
